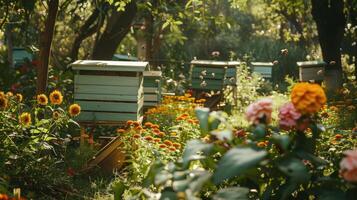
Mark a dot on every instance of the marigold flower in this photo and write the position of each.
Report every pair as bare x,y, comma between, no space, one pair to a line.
348,166
4,197
262,144
288,116
19,97
25,118
157,140
138,128
155,126
176,145
136,124
136,136
42,99
148,124
129,122
179,118
161,134
308,98
168,142
260,110
56,97
191,121
157,131
120,130
74,110
172,148
162,146
3,102
148,138
338,136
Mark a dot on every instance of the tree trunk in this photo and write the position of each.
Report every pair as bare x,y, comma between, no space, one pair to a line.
8,35
330,20
117,27
45,46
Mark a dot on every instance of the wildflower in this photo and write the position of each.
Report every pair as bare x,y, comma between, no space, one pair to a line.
260,111
168,142
191,121
172,148
139,128
288,116
348,166
148,124
148,138
9,94
136,124
55,114
176,145
240,133
173,134
262,144
338,136
157,140
19,97
4,197
25,118
74,110
129,122
162,146
56,97
156,131
155,126
308,98
180,118
161,134
136,136
3,102
120,130
42,99
334,108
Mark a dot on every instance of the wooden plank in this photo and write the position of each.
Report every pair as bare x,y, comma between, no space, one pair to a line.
210,84
151,90
208,75
102,65
105,89
199,69
107,97
106,116
262,64
152,74
109,106
150,104
106,80
311,63
151,97
307,74
214,63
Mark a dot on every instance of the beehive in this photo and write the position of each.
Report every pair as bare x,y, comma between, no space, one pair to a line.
263,68
152,88
109,92
210,75
311,70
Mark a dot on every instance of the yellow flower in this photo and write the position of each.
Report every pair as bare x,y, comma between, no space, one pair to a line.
9,94
42,99
74,110
19,97
25,118
3,102
56,97
55,114
308,98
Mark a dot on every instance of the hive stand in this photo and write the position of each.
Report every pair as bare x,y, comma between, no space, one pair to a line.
311,71
208,75
109,93
264,69
152,88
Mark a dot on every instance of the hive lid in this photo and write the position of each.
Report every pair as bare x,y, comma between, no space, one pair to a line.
310,63
104,65
213,63
263,64
152,73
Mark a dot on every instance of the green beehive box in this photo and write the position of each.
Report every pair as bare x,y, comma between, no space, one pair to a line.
210,75
152,88
311,70
19,55
263,68
109,92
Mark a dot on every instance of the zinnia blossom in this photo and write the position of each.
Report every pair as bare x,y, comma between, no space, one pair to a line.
260,110
348,166
308,98
25,118
288,116
42,99
74,110
56,97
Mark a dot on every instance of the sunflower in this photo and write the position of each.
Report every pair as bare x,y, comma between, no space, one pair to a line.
25,118
55,114
42,99
74,110
9,94
19,97
56,97
3,102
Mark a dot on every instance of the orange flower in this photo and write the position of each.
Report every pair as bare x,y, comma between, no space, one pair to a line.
120,130
136,136
136,124
42,99
168,142
4,197
148,124
56,97
157,131
19,97
191,121
308,98
155,126
161,134
9,94
172,148
179,118
25,118
3,102
74,110
162,146
139,128
262,144
176,145
129,122
157,140
148,138
338,136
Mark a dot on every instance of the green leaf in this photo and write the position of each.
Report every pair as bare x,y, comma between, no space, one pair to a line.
259,131
283,141
236,161
223,135
180,185
232,193
194,150
168,194
315,160
201,177
202,115
295,169
118,189
162,177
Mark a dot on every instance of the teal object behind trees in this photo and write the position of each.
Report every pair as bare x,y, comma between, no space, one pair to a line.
20,55
152,88
109,92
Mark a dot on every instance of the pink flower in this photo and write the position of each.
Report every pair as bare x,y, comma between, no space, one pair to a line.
260,110
348,166
288,116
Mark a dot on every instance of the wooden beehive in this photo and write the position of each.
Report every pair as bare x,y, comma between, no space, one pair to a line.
109,92
311,70
207,75
263,68
152,88
231,73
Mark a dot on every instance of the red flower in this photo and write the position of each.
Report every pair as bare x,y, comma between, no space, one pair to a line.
70,171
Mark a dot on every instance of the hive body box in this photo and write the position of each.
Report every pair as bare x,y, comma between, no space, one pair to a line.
212,75
109,92
263,68
311,70
152,88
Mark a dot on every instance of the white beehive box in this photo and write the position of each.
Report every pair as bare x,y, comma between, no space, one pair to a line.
265,69
311,70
